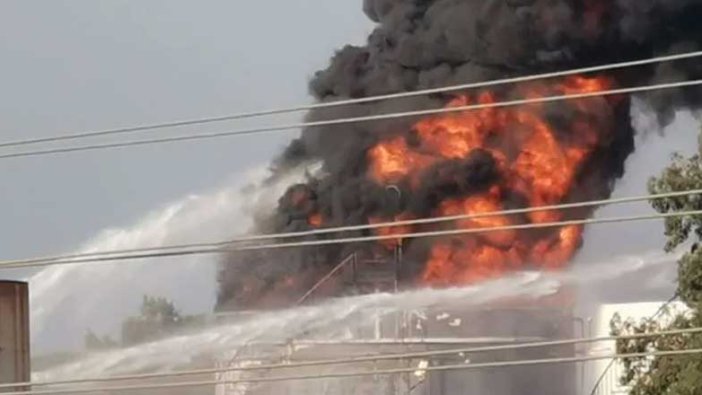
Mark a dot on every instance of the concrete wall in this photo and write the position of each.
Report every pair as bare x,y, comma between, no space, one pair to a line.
14,333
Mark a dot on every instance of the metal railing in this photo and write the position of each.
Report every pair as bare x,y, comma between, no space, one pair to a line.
349,259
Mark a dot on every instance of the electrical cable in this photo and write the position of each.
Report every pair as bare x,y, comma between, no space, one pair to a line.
269,379
458,232
359,239
341,121
337,103
360,359
205,248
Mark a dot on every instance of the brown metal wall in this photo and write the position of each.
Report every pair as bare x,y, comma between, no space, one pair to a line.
14,333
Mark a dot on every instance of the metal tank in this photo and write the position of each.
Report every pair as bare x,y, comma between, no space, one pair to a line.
515,323
448,326
14,333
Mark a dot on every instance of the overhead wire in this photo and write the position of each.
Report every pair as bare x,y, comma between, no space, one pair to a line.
373,372
323,231
346,240
457,232
358,359
345,102
368,118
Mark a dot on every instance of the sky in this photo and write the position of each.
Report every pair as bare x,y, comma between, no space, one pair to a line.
81,65
78,65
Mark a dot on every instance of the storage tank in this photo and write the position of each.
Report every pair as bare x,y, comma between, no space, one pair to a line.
14,333
450,325
513,322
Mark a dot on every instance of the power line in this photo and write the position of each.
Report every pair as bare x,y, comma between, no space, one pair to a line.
339,229
341,121
360,239
457,232
347,240
360,359
467,366
337,103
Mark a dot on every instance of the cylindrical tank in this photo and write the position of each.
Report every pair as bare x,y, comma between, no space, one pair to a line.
521,323
14,333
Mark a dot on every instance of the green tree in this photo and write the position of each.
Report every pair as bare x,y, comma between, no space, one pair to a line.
673,375
158,317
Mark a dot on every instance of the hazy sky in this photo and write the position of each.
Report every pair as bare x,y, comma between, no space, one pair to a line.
78,65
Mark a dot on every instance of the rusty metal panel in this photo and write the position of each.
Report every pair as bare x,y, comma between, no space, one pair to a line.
14,333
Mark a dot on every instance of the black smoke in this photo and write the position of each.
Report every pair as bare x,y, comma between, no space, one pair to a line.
419,44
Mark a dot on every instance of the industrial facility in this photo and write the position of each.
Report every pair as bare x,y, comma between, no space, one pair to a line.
501,324
506,322
459,145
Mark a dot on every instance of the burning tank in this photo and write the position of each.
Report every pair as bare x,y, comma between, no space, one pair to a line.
467,162
474,162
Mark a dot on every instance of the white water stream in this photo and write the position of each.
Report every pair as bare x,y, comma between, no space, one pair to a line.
333,316
66,301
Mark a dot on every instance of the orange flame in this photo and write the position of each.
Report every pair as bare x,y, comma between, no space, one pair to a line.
536,161
384,231
315,220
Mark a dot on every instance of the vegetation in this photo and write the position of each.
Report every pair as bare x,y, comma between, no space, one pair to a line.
681,374
157,317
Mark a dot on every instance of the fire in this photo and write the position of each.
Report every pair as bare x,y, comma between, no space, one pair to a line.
537,161
455,136
481,204
391,230
315,220
449,137
537,156
394,160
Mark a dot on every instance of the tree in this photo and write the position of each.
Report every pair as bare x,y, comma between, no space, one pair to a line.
681,374
158,317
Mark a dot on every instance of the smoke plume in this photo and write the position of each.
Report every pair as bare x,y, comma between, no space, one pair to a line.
471,162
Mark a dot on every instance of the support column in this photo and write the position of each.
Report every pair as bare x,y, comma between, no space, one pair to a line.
14,333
